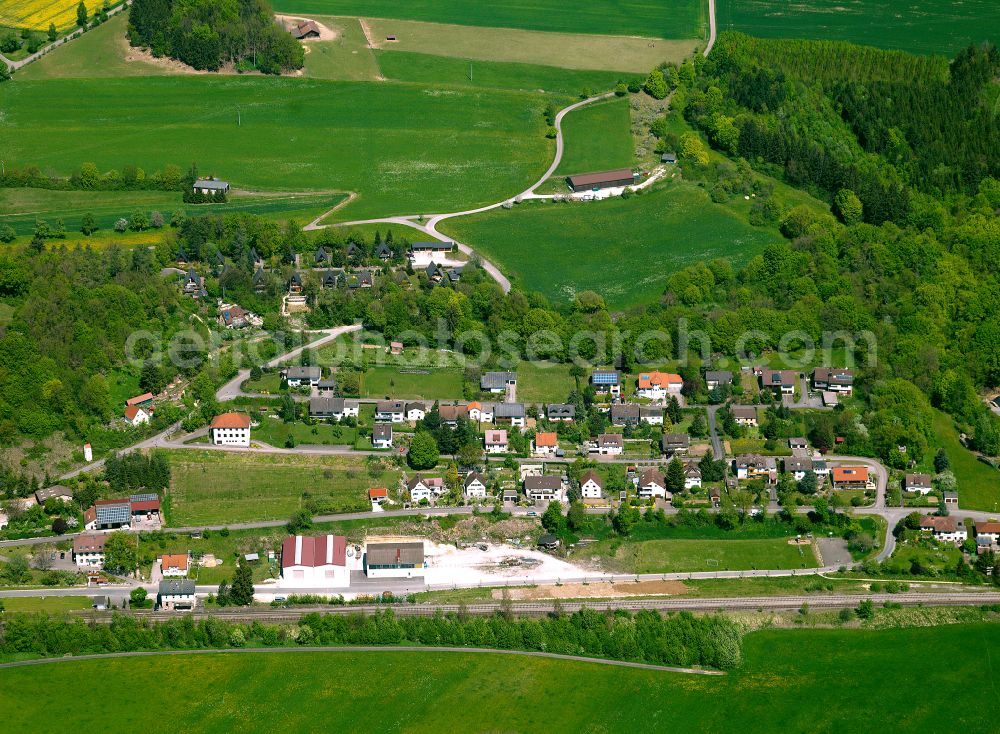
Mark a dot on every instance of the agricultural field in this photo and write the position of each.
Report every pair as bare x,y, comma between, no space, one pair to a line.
679,556
20,208
978,483
37,14
569,50
347,58
623,249
789,681
428,69
209,487
919,26
293,135
598,138
648,18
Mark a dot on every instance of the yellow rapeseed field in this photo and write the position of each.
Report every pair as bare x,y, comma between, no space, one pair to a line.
37,14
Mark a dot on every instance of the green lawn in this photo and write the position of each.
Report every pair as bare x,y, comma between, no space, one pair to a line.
346,58
598,138
569,50
50,604
210,487
827,680
978,484
425,68
276,433
400,147
650,18
544,382
920,26
419,384
20,208
623,249
673,556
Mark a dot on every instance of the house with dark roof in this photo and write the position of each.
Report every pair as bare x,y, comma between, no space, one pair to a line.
754,466
744,415
601,180
673,443
497,382
304,30
543,488
560,412
717,378
510,414
327,408
591,485
606,382
208,186
610,444
474,485
108,515
394,560
390,411
295,284
625,414
299,375
176,595
382,436
781,382
834,379
383,252
260,280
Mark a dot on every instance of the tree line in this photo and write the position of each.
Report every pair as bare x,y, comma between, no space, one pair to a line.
683,639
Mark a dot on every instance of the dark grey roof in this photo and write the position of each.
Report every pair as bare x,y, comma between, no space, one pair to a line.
211,183
382,430
296,372
722,376
177,587
472,477
675,440
496,380
383,250
509,410
650,411
546,482
391,554
668,158
326,406
327,384
57,491
424,246
147,497
560,410
624,411
259,276
390,406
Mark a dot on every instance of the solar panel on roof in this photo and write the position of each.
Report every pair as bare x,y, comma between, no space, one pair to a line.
144,497
114,514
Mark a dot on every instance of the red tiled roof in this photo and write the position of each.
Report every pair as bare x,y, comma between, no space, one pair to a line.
231,420
850,474
132,411
144,398
659,379
378,492
146,506
546,439
312,551
174,560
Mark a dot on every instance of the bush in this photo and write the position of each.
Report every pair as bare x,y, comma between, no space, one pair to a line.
866,609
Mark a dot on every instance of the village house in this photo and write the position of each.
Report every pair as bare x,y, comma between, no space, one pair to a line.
744,415
497,382
834,379
295,284
326,387
58,492
297,375
174,565
210,186
378,496
601,180
314,561
136,416
175,595
332,279
382,436
851,477
950,498
383,252
144,401
692,475
260,280
394,560
511,414
674,443
610,444
651,415
108,515
545,444
715,497
395,348
653,484
415,412
144,507
322,257
421,488
917,483
659,385
230,429
544,488
236,317
481,412
624,414
987,536
390,411
422,253
193,284
797,445
333,408
798,466
88,550
510,496
496,442
781,382
606,382
754,466
718,378
304,30
451,413
591,485
944,529
474,486
560,412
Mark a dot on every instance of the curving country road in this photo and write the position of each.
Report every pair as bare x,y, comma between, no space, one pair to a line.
429,227
711,28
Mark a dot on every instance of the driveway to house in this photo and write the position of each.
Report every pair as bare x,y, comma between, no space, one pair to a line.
429,227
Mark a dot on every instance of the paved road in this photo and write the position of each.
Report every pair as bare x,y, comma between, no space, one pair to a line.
369,648
713,432
711,28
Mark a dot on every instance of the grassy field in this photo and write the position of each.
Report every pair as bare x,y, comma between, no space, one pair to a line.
209,487
295,135
37,14
431,384
650,18
920,26
791,680
447,71
276,433
569,50
50,604
978,484
21,207
623,249
347,57
678,556
544,382
598,138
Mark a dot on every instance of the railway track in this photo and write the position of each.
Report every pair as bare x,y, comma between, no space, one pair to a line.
542,608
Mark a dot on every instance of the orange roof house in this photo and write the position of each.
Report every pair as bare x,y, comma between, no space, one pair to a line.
649,380
231,420
850,475
546,439
378,493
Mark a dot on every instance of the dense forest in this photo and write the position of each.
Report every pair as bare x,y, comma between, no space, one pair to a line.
206,34
830,116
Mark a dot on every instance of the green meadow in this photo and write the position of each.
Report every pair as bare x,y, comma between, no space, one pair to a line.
598,138
623,249
919,26
649,18
679,556
978,483
815,680
402,148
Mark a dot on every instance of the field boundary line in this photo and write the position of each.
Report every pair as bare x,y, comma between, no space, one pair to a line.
366,648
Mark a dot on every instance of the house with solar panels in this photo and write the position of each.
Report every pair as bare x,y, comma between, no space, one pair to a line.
607,382
139,509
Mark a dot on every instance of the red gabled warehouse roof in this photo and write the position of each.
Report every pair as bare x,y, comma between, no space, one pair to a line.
312,551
